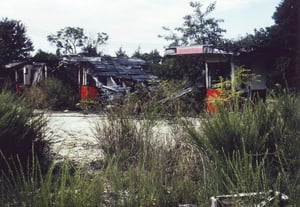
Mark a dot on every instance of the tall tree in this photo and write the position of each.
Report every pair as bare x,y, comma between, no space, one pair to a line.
72,40
45,57
153,60
197,28
280,44
91,47
14,43
285,37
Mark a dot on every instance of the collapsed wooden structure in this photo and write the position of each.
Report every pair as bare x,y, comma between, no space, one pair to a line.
108,79
104,79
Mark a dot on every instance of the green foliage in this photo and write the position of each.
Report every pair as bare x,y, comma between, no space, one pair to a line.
139,171
120,52
183,67
153,60
197,28
58,187
50,59
20,129
145,171
165,100
233,93
253,148
92,45
14,43
51,94
71,39
287,105
120,137
282,37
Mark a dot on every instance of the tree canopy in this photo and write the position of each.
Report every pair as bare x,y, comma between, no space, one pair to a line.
285,38
197,28
14,43
279,44
72,40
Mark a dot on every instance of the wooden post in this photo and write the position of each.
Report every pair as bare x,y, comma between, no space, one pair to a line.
232,75
206,76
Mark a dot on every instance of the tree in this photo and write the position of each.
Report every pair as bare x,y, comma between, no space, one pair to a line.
121,53
91,48
153,60
138,53
14,43
70,40
48,58
285,38
278,44
197,28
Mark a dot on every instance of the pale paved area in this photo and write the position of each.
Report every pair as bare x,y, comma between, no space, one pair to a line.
73,136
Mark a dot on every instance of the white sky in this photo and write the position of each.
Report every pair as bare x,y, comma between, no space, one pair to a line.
130,23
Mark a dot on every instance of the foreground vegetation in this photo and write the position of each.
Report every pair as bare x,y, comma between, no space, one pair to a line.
253,148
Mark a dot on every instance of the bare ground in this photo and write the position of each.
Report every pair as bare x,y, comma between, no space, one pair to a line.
72,135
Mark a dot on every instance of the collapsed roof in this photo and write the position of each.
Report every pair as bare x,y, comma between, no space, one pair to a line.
117,67
112,76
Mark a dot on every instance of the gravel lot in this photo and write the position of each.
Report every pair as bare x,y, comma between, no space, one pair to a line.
73,136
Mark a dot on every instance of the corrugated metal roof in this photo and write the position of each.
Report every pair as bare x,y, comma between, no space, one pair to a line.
120,67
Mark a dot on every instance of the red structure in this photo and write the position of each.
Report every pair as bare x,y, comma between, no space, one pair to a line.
211,96
88,93
218,63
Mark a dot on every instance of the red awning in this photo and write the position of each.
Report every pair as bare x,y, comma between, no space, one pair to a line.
189,50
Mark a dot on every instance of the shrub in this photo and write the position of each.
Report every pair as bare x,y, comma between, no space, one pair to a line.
52,94
166,99
21,130
146,170
57,187
253,144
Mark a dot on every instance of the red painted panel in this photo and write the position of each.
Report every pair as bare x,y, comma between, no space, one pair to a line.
211,95
88,93
17,88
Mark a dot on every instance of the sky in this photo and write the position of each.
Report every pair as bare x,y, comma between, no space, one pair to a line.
131,24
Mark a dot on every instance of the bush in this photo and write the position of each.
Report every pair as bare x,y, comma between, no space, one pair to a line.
256,143
21,130
144,169
167,99
52,94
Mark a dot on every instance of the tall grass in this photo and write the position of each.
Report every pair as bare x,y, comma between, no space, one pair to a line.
150,171
58,187
20,129
52,94
144,184
253,148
